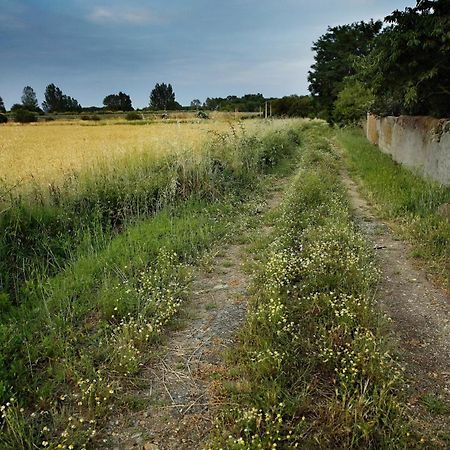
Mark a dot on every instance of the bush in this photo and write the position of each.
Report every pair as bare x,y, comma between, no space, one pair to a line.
93,117
3,118
133,115
24,116
202,115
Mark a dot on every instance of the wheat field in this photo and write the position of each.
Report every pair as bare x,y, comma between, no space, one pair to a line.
47,152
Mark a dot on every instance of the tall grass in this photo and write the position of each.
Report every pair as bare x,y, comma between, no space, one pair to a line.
311,369
97,269
409,201
44,228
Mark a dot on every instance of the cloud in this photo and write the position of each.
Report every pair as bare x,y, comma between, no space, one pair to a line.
115,15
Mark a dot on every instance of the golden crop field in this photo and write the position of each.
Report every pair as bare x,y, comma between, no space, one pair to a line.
45,152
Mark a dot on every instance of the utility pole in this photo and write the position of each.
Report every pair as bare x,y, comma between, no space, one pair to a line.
265,110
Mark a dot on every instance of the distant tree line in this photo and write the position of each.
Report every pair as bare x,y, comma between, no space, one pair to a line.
288,106
402,68
162,98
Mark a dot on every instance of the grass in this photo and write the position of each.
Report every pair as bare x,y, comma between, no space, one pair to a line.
94,271
48,152
435,405
311,368
409,201
45,227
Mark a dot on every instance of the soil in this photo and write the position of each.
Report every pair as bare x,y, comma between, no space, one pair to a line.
179,394
179,391
419,312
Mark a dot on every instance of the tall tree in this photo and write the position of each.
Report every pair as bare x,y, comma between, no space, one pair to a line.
408,68
56,101
336,52
118,102
162,97
53,99
196,103
2,106
29,100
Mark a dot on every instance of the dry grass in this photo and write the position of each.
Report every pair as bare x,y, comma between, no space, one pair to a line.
45,152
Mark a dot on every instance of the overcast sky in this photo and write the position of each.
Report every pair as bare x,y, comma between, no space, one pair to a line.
92,48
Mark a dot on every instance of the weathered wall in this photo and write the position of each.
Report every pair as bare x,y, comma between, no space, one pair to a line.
420,143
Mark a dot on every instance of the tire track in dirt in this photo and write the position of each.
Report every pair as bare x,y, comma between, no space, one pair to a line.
179,390
420,317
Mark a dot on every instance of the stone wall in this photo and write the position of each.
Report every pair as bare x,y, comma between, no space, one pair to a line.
420,143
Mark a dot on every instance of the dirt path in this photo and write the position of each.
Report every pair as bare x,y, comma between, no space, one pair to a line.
420,314
179,390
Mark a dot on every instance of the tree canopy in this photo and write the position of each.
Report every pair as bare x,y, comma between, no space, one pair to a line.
29,99
294,106
118,102
56,101
2,106
402,69
248,102
162,97
336,52
408,69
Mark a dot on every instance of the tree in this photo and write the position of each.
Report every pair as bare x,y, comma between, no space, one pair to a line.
352,102
29,100
294,106
2,106
56,101
196,104
162,97
336,52
118,102
408,69
24,116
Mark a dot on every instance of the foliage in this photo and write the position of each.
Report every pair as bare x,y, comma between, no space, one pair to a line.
2,106
107,260
311,369
162,97
118,102
202,115
133,116
408,68
248,103
196,104
294,106
3,118
93,117
56,101
352,103
16,107
409,201
29,100
336,51
24,116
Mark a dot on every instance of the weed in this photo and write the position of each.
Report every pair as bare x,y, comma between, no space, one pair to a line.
316,370
408,200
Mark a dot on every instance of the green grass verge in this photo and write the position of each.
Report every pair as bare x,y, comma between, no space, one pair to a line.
44,228
409,201
79,334
311,368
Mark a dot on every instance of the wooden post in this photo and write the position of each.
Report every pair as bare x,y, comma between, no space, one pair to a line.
265,110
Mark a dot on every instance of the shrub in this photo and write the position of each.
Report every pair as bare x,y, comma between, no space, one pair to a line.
133,115
3,118
202,115
93,117
24,116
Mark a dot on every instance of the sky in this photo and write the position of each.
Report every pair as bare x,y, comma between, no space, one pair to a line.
204,48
